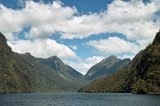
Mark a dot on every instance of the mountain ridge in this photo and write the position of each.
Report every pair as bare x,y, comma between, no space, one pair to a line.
106,67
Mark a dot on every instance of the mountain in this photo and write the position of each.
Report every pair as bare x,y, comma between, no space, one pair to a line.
24,73
65,71
141,76
42,77
106,67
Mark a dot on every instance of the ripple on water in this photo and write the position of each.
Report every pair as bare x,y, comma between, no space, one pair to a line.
78,99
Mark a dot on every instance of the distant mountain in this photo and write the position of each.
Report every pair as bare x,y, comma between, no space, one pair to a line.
142,75
65,71
106,67
24,73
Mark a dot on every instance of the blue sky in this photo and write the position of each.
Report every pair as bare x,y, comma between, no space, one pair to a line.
80,32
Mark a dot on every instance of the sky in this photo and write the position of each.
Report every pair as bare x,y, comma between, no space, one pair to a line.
80,32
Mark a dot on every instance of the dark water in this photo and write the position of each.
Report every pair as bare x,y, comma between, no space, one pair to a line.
80,99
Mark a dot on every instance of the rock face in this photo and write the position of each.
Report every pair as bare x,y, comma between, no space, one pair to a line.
106,67
142,75
24,73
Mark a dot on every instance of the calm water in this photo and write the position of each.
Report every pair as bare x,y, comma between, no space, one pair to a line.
80,99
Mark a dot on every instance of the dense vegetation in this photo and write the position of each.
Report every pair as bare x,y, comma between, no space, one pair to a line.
142,75
11,79
24,73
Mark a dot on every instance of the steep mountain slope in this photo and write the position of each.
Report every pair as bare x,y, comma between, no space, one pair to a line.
106,67
11,77
142,75
62,69
45,76
67,72
24,73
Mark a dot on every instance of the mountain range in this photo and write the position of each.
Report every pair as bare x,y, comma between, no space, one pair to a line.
25,73
141,76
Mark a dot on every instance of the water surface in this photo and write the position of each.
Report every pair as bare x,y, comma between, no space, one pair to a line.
78,99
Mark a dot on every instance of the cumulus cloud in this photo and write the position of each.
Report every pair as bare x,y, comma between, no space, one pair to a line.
43,19
43,48
133,19
114,45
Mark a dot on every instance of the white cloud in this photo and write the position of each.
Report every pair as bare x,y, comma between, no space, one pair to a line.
132,11
43,19
83,65
10,20
114,46
134,19
21,3
42,48
10,36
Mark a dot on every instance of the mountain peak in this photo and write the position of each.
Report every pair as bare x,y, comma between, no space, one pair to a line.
110,58
55,58
28,53
157,38
106,67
